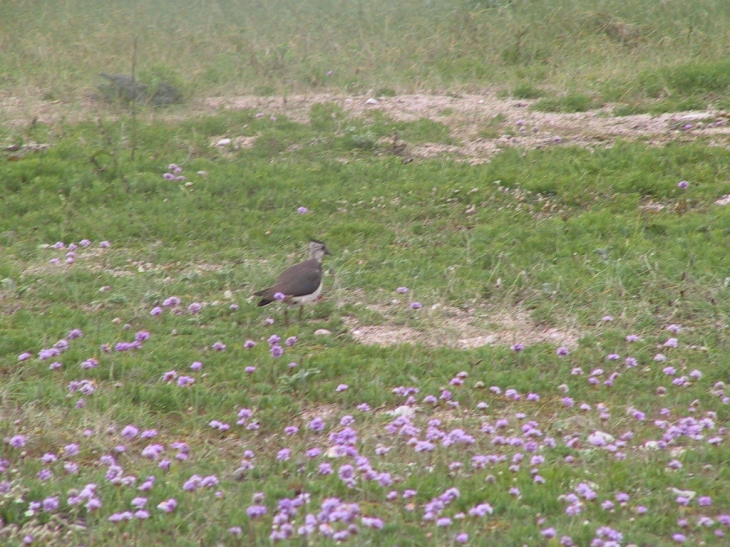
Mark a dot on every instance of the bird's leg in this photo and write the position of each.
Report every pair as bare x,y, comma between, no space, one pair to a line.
286,318
301,309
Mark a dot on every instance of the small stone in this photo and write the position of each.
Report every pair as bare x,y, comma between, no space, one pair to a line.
322,332
371,101
403,410
223,142
240,473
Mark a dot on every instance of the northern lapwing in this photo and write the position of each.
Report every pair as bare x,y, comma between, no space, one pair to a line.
300,284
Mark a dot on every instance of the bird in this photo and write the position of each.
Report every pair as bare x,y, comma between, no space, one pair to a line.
299,284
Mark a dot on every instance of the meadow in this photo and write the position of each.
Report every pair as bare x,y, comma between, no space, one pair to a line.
529,349
572,55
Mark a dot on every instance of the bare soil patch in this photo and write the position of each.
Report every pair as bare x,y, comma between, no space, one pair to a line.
484,124
467,330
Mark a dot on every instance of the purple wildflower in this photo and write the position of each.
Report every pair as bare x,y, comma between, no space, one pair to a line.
184,381
50,504
17,441
129,432
119,517
168,506
195,307
372,522
256,511
45,474
171,302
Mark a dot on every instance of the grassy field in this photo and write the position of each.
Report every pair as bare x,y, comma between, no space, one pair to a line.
575,54
146,400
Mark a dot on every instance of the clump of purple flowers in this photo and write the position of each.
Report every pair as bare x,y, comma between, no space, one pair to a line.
174,172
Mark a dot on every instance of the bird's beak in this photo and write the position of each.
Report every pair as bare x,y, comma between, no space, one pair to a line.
327,251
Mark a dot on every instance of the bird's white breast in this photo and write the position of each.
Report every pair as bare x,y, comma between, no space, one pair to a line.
306,299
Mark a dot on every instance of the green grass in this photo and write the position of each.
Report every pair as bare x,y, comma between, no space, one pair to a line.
597,250
526,90
558,238
610,50
692,85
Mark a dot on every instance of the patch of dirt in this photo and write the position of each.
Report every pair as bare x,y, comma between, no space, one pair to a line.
464,330
321,411
376,335
652,207
510,123
238,143
432,150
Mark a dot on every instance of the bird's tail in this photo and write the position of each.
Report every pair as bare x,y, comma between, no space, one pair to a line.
266,297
